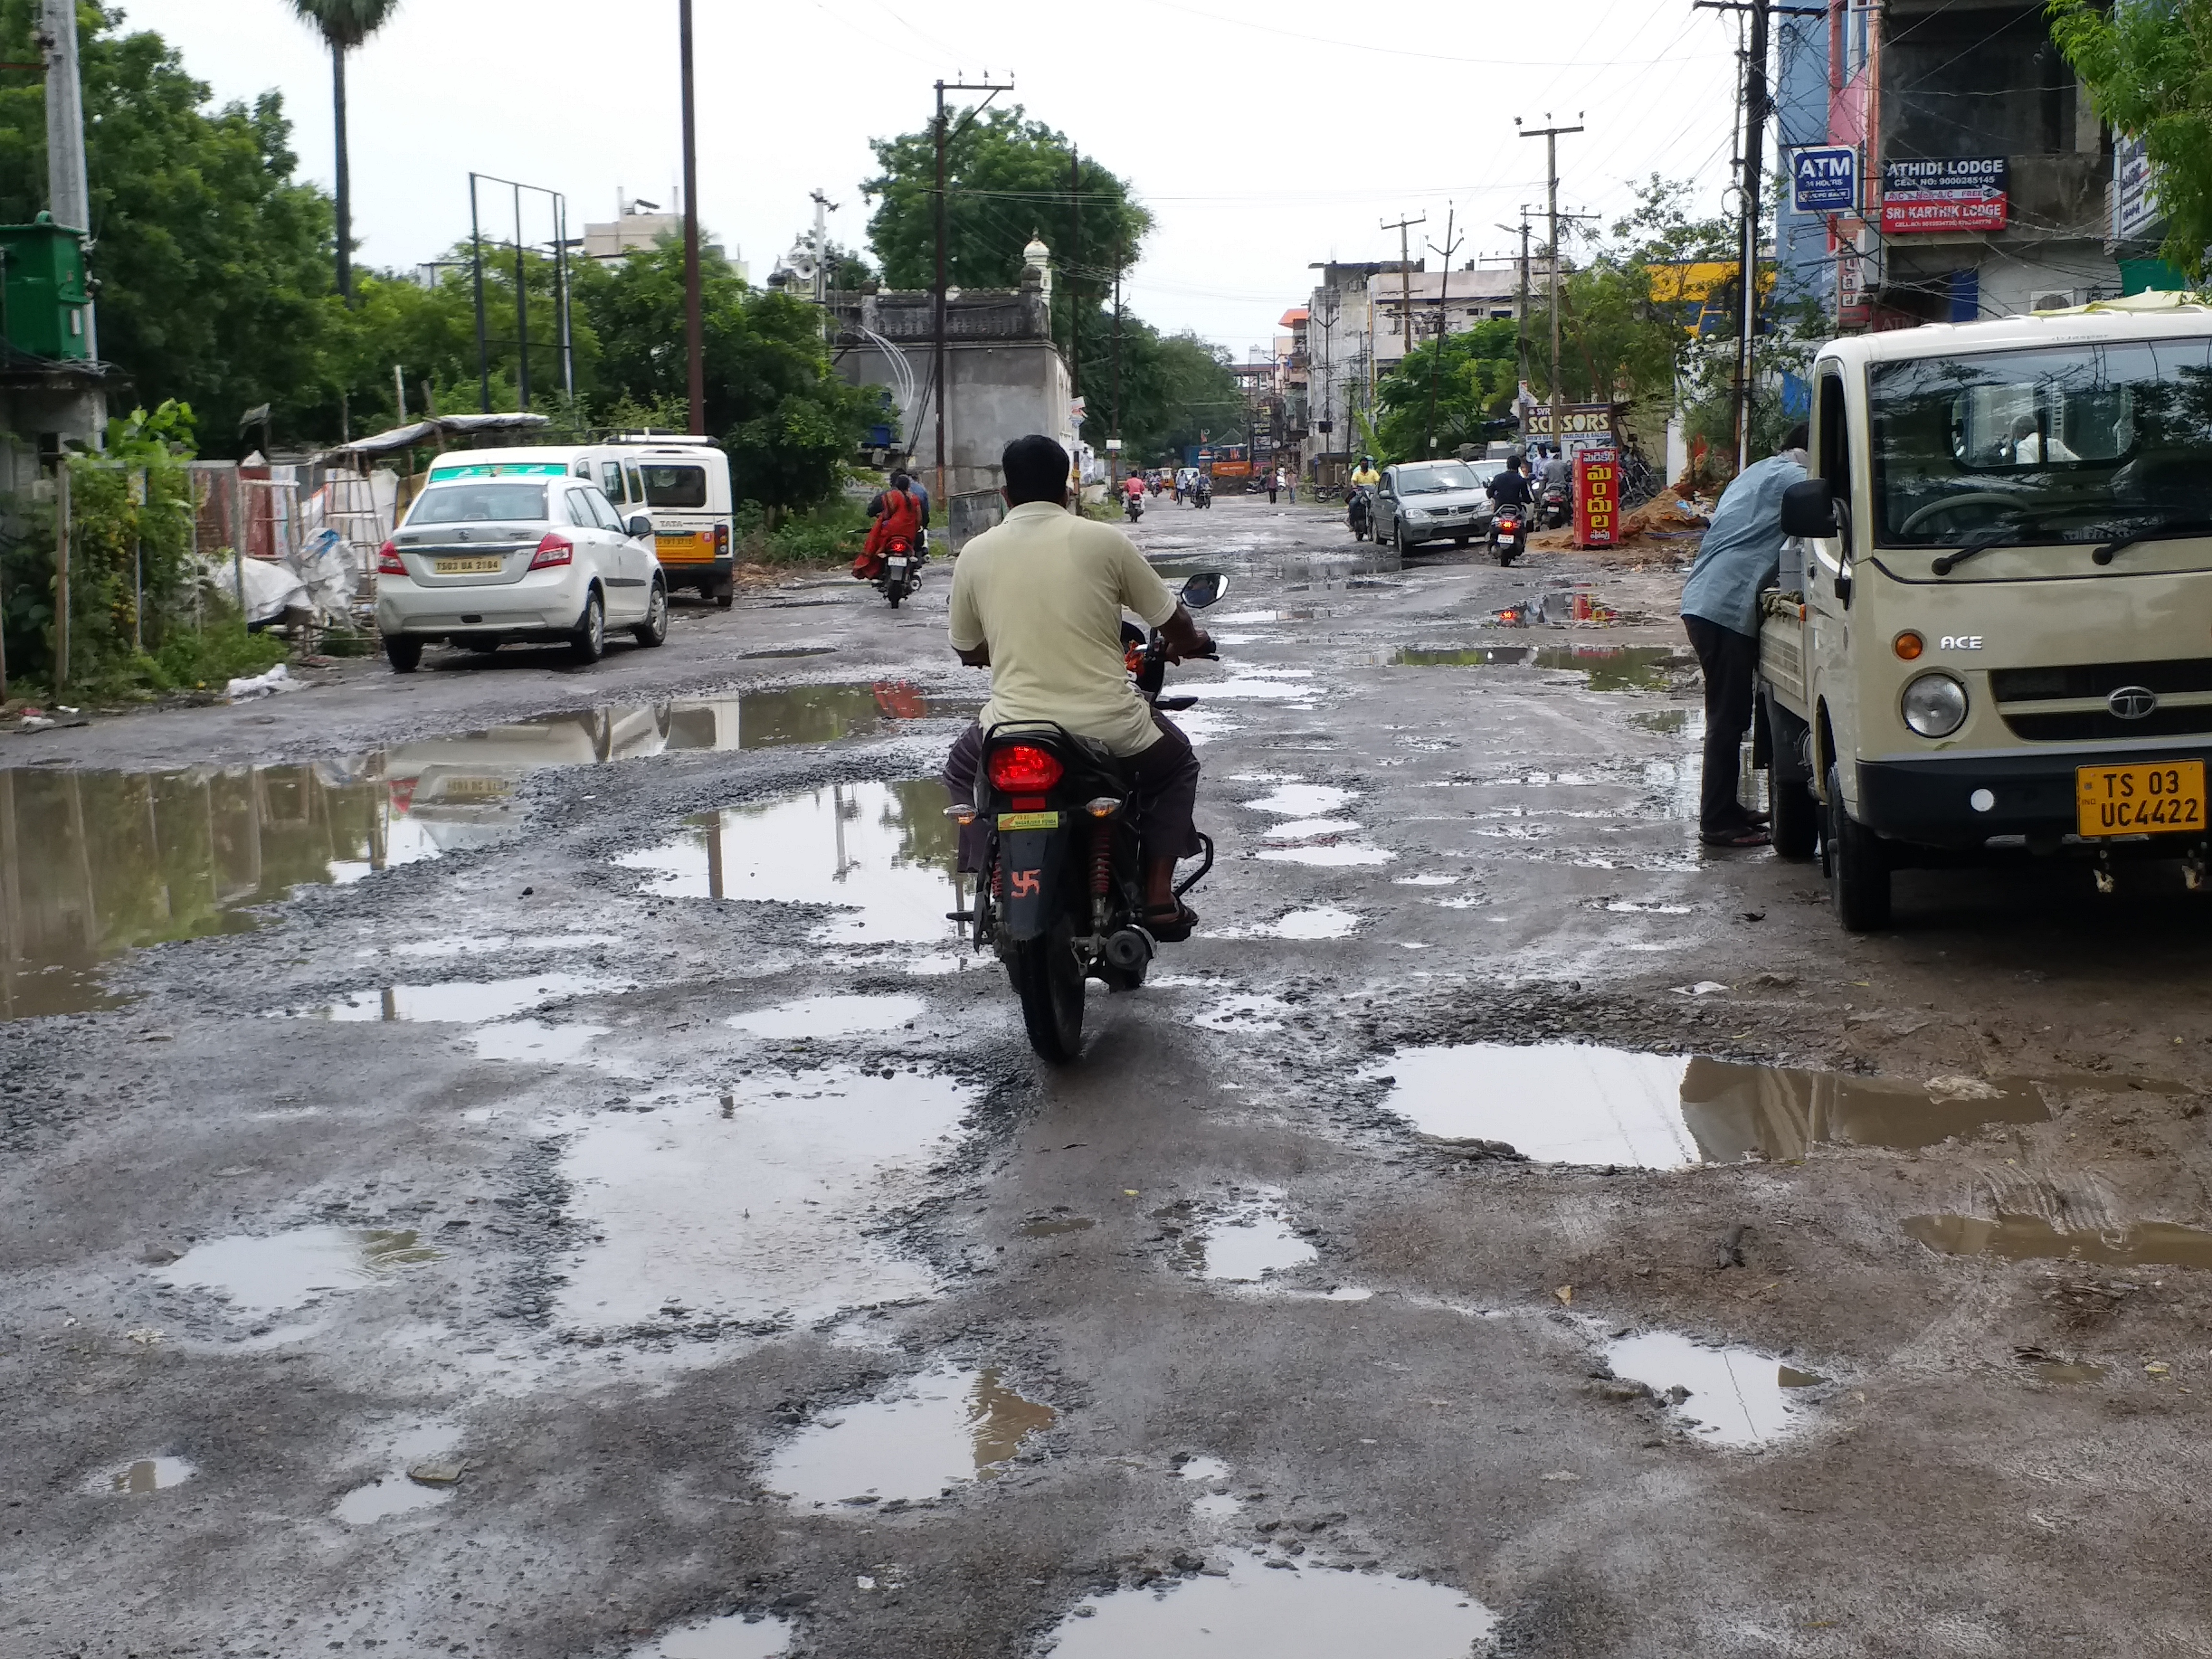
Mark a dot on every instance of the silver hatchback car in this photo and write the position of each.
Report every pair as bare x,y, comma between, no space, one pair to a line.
524,552
1428,500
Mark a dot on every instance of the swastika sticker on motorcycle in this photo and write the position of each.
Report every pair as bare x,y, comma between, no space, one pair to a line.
1027,884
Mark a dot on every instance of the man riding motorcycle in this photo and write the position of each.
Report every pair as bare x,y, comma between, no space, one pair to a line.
1133,496
1038,600
899,517
1510,487
1364,473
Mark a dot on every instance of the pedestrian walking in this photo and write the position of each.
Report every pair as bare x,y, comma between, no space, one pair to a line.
1742,553
1275,483
1291,482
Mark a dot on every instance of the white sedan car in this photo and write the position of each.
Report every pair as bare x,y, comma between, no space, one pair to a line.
522,552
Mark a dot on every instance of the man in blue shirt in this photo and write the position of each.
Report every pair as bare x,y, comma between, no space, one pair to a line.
1741,554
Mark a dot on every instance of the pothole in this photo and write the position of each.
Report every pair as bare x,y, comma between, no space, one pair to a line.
933,1434
2031,1239
754,1202
829,1016
141,1475
387,1496
1278,1610
1316,922
1725,1396
465,1001
736,1636
535,1040
289,1270
1292,800
882,853
1562,1103
1247,1243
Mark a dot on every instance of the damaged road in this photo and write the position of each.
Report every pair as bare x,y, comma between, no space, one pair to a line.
511,1162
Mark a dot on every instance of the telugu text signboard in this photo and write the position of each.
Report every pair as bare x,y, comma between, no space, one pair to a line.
1597,497
1956,193
2135,192
1824,179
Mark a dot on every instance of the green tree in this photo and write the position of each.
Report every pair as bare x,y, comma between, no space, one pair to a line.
1447,393
345,25
213,262
2145,62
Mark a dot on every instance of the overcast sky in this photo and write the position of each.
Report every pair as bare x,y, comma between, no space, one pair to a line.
1261,143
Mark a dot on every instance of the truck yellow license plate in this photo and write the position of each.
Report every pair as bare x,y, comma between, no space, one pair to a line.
470,566
684,548
1028,820
2139,801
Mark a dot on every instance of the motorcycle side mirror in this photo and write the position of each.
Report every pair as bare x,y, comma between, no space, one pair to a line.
1206,588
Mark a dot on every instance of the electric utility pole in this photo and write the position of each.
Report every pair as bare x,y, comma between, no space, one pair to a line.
823,207
695,332
942,138
1405,282
1114,444
1521,312
1443,323
1075,282
68,195
1551,136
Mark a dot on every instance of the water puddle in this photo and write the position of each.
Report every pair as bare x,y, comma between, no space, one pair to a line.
1604,667
290,1270
1479,656
140,1476
1726,1396
829,1016
1563,1102
756,1202
1293,800
1341,854
534,1041
938,1431
2030,1238
387,1496
1246,1243
1287,685
1321,921
736,1636
467,1002
1669,722
2047,1367
883,852
1283,1615
1056,1226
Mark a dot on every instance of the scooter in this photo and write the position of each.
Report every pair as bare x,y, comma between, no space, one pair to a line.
1060,898
1555,505
1509,531
1360,515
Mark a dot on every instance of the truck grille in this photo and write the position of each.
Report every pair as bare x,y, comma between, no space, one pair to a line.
2067,705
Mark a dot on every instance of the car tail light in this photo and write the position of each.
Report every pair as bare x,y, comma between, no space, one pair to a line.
722,541
553,548
1021,768
388,562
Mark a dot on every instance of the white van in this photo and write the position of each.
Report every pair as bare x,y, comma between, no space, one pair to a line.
685,487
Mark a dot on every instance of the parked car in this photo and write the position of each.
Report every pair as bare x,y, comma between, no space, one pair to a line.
1428,500
493,552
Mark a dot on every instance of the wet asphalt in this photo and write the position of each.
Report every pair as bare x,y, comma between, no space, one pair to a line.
603,1211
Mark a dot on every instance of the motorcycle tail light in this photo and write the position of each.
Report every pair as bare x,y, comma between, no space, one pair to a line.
1022,768
553,549
388,562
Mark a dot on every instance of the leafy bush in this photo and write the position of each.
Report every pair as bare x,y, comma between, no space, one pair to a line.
829,534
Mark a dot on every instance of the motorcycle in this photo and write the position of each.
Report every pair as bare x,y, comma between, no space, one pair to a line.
1201,494
1509,531
1060,898
1555,505
1133,505
902,570
1360,515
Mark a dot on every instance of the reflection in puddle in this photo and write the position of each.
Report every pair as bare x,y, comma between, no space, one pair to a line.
733,1638
940,1429
389,1495
2028,1238
142,1474
1733,1396
1282,1614
1618,667
1566,1102
1669,722
1480,656
1245,1244
1322,922
532,1039
829,1016
467,1001
745,1205
885,852
1292,800
289,1270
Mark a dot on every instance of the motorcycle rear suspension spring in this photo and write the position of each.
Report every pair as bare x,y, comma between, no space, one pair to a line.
1102,859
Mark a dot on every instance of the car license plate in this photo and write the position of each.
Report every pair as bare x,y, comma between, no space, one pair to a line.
2139,801
1028,820
470,566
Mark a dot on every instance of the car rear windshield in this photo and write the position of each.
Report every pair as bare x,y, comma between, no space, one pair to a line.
478,503
2064,444
1427,480
675,486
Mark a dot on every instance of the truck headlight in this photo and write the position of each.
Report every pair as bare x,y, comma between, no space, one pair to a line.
1935,705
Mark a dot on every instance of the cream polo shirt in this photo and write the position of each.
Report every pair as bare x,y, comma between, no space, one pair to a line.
1045,590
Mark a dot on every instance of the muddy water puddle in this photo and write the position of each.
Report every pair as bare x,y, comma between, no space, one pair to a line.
1279,1610
828,1017
755,1203
1247,1243
140,1476
96,864
1725,1396
284,1271
2031,1239
734,1636
387,1496
1604,667
463,1002
882,854
1056,1226
930,1434
1560,1102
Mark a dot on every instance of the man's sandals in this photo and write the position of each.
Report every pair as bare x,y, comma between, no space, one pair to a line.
1169,924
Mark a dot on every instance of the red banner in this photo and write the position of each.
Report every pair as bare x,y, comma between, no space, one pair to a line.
1944,210
1597,497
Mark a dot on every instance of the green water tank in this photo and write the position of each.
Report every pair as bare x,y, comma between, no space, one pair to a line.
42,276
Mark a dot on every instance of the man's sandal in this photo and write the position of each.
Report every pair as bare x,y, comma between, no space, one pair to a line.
1170,924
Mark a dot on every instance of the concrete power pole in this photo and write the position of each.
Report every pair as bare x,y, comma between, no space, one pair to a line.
1521,312
68,197
943,138
695,332
823,207
1551,137
1405,283
1448,251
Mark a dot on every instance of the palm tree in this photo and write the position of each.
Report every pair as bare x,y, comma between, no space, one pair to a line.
345,25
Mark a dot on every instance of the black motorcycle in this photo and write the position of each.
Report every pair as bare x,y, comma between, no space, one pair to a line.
1509,531
1360,515
1132,506
1202,493
902,570
1060,897
1555,505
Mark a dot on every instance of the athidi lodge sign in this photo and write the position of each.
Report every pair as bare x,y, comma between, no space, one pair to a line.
1959,193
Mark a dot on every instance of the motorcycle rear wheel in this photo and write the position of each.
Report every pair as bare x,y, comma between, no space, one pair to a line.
1049,979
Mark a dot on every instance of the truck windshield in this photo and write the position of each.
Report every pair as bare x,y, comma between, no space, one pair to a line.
1427,480
2075,444
472,503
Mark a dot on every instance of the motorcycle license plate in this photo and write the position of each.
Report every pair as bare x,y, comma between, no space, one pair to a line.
1028,820
897,564
2139,800
469,567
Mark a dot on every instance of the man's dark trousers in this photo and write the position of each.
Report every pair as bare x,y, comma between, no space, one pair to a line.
1729,660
